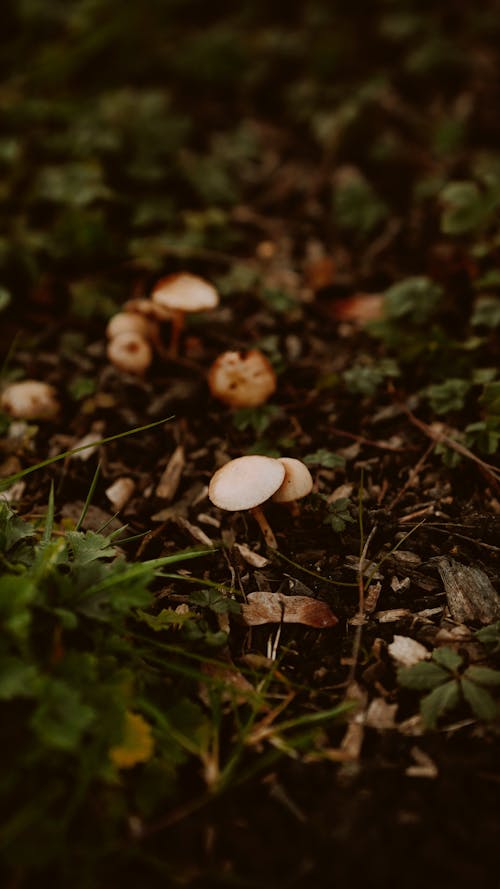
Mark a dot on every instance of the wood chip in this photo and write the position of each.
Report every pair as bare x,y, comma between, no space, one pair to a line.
253,559
424,767
406,652
264,607
470,593
381,715
195,532
171,476
392,615
120,492
352,741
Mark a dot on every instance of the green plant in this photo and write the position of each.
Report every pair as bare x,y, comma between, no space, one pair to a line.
449,683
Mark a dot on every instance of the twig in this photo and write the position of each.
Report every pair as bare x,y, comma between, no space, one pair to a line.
412,475
361,589
442,437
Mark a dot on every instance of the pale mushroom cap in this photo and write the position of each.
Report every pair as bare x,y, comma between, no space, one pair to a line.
129,322
130,353
30,400
184,292
241,380
142,306
297,482
245,482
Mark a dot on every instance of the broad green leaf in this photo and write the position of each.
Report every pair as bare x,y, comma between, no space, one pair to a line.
447,657
422,676
61,717
480,701
17,679
439,701
416,298
483,675
88,546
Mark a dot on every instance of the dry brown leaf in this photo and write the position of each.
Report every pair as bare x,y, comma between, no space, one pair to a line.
264,607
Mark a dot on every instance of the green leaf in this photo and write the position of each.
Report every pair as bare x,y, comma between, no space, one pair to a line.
447,658
5,298
490,637
486,312
166,619
88,546
448,396
326,458
61,717
17,679
422,676
480,701
415,298
443,698
483,675
357,207
463,208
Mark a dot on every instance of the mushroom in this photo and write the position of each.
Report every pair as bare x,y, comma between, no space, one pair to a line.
131,322
246,483
297,483
130,352
242,380
30,400
181,294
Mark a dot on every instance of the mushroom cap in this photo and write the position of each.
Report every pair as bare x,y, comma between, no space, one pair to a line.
129,322
30,400
297,482
184,292
130,352
141,305
245,482
242,380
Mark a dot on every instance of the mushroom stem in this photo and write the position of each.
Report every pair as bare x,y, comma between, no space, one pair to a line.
264,526
178,319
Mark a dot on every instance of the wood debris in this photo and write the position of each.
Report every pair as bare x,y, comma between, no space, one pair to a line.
406,652
469,591
120,492
171,475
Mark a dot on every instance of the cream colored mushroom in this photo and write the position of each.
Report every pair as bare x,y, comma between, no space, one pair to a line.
242,380
130,322
297,483
182,294
130,352
246,483
30,400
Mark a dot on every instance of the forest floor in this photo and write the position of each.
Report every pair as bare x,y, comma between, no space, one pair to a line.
184,706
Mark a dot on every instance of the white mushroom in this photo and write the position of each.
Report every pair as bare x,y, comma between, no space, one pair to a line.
30,400
182,294
246,483
242,380
297,483
130,322
130,352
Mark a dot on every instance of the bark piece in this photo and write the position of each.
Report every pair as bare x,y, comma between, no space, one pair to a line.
264,607
470,593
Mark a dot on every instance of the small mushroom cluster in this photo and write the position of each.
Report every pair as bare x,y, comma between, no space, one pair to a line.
134,332
248,482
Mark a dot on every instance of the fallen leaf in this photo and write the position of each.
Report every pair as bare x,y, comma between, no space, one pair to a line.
137,743
264,607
